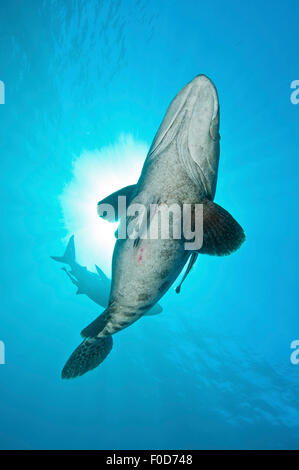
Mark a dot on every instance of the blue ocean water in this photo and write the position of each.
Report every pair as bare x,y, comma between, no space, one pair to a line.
212,371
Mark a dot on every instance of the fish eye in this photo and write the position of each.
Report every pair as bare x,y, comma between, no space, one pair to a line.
214,133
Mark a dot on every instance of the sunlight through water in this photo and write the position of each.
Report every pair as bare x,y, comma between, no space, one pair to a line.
95,175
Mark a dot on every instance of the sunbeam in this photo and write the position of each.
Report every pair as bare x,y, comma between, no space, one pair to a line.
97,174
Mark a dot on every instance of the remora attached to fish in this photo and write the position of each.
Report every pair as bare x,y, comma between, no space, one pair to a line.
181,168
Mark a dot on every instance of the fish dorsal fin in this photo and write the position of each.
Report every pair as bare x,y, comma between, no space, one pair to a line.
191,263
222,235
112,200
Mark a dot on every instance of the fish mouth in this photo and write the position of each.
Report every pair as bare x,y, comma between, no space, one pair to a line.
196,106
201,135
198,114
205,94
192,121
202,118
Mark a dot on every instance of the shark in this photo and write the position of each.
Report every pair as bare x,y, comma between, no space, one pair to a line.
95,285
181,169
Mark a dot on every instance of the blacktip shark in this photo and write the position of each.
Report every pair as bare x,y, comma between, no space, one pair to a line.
97,285
181,167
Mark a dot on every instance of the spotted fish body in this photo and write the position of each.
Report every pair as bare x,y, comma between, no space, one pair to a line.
143,272
181,168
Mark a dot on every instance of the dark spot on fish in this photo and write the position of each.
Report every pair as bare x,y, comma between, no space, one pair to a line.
131,314
146,307
164,286
165,254
163,274
143,297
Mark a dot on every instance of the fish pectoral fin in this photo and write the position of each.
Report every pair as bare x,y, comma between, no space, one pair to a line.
101,273
69,274
222,235
112,200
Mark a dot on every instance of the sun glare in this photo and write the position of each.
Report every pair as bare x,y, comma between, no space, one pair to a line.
95,175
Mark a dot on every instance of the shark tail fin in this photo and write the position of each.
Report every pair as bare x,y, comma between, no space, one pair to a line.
69,254
87,356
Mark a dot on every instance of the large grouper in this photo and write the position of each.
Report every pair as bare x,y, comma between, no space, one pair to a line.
180,169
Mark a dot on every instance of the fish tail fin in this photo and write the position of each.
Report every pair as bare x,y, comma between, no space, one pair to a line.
69,255
87,356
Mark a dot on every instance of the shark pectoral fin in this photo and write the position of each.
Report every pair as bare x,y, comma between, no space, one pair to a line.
222,235
112,200
101,273
74,280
